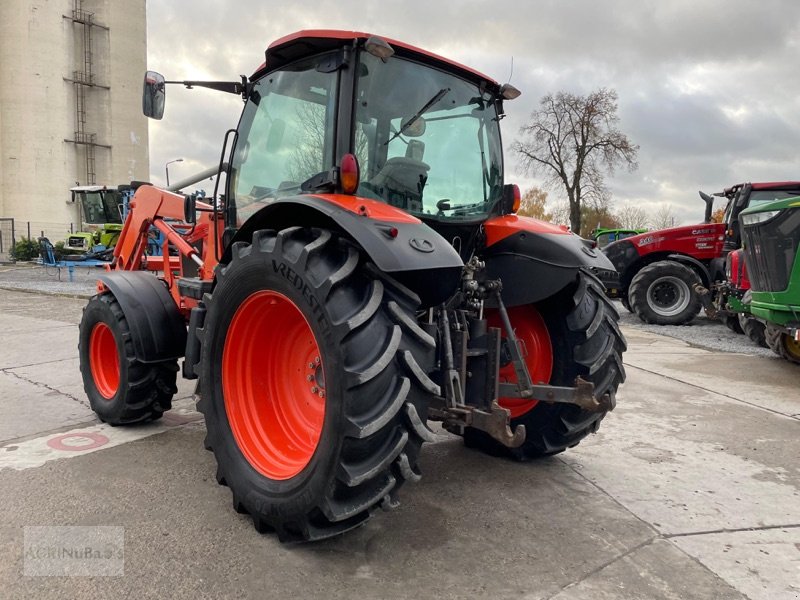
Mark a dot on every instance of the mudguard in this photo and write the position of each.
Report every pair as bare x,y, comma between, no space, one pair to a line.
536,260
621,254
700,268
397,242
157,327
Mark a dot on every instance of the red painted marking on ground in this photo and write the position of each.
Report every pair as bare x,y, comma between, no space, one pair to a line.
77,441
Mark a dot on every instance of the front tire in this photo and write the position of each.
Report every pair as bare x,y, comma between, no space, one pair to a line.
662,293
753,329
782,344
121,389
583,340
315,387
732,323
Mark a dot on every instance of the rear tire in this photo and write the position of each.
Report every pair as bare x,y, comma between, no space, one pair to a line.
587,342
121,389
374,360
781,344
661,293
753,329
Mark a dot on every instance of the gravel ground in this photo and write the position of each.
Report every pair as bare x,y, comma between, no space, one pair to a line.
702,332
49,280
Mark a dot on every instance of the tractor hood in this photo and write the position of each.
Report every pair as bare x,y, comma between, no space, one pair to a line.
701,241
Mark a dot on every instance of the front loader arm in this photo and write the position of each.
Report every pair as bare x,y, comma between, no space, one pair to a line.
150,207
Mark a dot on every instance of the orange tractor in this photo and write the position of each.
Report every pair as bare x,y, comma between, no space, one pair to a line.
361,273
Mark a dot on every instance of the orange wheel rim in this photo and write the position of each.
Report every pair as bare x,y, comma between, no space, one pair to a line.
104,360
537,352
273,385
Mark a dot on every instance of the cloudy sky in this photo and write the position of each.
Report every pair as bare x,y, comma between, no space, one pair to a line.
710,90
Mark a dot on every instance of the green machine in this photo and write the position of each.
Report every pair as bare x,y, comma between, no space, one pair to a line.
772,251
100,216
604,236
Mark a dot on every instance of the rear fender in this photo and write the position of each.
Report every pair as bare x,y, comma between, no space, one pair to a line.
398,243
695,264
623,254
157,327
535,265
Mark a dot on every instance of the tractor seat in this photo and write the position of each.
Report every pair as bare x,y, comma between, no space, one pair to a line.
401,181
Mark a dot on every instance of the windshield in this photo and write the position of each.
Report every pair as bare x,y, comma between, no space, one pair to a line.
285,134
426,141
101,207
756,197
764,196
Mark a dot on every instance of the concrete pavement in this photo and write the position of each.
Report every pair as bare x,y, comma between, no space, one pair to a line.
690,490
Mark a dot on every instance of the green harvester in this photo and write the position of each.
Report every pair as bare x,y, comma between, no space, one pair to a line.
604,235
99,210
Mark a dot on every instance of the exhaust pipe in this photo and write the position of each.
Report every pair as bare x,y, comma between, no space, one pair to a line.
709,200
196,178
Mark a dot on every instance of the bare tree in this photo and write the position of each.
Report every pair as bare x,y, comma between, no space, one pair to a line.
306,159
574,141
664,218
534,204
559,213
632,217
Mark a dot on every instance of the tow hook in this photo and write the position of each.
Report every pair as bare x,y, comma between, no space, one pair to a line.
705,299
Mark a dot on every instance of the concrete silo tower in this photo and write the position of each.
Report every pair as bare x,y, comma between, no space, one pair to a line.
70,105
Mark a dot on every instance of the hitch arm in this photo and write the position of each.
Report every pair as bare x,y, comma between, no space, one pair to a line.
581,395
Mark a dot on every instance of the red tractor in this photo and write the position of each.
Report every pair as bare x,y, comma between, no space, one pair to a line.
661,271
362,273
734,298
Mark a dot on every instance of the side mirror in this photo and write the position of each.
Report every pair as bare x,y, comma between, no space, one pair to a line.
190,208
153,95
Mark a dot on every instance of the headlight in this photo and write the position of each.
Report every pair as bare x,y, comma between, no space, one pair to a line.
759,217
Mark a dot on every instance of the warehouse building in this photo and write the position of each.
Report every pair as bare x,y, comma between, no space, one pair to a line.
70,107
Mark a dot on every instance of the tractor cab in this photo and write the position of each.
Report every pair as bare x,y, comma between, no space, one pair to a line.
420,134
97,204
99,215
745,195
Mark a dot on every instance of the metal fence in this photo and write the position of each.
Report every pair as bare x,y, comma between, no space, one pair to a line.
14,230
7,239
33,230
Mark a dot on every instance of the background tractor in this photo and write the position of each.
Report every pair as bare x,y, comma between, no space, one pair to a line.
100,216
772,252
666,276
604,236
363,273
733,298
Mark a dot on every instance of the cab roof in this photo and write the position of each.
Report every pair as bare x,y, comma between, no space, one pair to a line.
313,41
88,188
776,185
765,185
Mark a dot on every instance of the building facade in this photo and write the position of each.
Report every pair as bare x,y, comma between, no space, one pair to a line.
70,105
